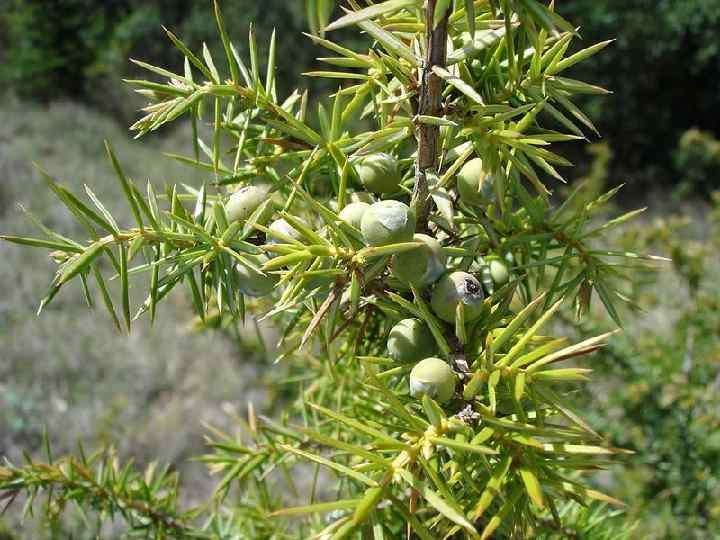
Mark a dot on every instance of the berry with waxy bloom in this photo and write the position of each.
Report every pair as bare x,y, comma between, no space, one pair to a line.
245,201
455,288
353,213
252,282
410,340
387,222
379,173
474,184
433,377
282,227
421,266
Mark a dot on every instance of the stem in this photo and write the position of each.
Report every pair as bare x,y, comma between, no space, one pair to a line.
429,103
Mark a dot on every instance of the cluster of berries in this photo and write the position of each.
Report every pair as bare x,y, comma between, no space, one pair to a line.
388,222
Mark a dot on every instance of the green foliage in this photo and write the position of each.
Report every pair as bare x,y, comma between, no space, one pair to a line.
499,454
666,386
698,158
666,52
593,521
658,69
78,48
595,181
147,502
5,534
69,369
50,45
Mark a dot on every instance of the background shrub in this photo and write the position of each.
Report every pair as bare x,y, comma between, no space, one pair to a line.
662,379
79,49
697,160
659,68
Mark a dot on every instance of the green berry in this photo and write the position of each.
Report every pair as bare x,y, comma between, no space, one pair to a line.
409,341
353,213
466,38
433,377
454,288
245,201
255,283
379,173
388,222
499,272
362,196
421,266
473,184
494,274
282,227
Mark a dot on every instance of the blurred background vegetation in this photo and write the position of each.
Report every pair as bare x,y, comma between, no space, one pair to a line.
662,122
656,390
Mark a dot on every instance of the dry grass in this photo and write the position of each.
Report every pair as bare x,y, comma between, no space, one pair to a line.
148,394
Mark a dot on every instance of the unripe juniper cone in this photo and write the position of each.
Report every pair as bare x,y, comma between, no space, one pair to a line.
245,201
379,173
353,213
362,196
283,228
455,288
432,377
421,266
474,184
253,282
499,272
410,340
388,222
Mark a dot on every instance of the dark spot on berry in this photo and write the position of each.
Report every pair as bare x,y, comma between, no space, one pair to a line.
471,287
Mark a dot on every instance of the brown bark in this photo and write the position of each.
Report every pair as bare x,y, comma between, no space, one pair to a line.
429,103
